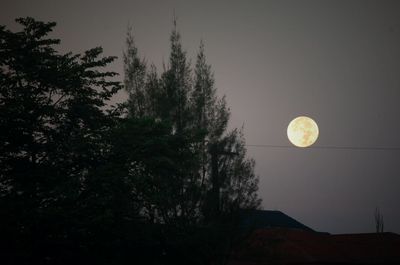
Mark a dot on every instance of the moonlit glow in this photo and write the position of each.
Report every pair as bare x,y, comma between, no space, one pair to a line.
302,131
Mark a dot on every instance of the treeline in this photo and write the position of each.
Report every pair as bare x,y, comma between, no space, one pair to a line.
157,179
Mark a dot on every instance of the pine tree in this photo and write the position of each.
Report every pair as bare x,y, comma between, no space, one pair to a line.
166,100
134,78
195,112
208,178
236,184
204,93
153,94
239,184
210,112
206,109
177,85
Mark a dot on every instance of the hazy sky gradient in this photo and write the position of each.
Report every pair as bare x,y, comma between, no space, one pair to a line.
336,61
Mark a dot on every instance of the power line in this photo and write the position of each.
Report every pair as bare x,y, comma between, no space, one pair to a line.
377,148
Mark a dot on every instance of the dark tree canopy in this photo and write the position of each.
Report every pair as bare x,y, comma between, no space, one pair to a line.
214,187
55,133
187,99
157,180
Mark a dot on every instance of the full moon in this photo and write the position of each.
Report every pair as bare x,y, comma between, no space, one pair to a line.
302,131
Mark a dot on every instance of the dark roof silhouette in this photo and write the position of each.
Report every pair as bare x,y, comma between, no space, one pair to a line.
262,219
299,247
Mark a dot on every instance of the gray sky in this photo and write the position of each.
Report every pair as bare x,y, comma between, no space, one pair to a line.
336,61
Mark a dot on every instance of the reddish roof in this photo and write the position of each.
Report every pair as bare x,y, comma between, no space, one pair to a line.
295,246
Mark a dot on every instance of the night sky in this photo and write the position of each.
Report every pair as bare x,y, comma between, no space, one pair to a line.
335,61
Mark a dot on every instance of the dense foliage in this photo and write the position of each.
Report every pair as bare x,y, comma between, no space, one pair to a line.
158,179
187,99
213,189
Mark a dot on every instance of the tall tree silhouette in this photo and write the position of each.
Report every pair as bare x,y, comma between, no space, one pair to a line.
191,105
55,136
210,112
197,178
135,77
166,100
176,81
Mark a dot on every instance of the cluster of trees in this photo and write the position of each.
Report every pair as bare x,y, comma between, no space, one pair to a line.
158,178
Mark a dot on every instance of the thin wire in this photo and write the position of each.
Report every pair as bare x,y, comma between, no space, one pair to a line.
330,147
